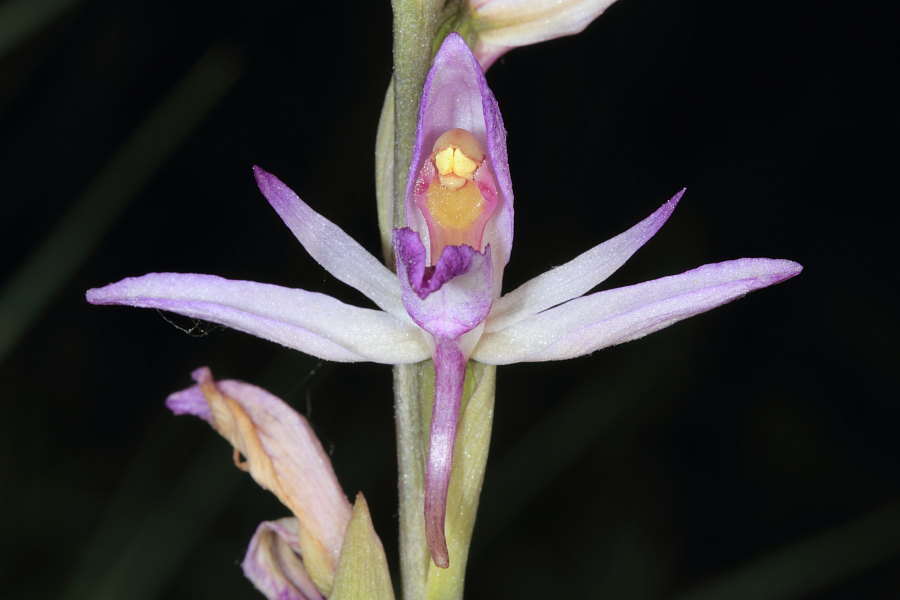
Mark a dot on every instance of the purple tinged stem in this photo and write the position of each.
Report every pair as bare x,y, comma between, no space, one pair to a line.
449,376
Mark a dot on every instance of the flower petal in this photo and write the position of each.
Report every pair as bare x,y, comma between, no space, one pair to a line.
337,252
284,456
579,275
272,562
449,377
449,299
506,24
313,323
589,323
456,95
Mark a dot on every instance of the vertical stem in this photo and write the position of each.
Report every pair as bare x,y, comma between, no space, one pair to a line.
408,381
415,23
415,27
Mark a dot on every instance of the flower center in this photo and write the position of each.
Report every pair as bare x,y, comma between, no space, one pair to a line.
459,192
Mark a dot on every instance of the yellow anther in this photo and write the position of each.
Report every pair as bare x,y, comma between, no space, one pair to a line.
443,160
456,155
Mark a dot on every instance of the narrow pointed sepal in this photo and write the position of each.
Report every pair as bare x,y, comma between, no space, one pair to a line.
578,276
307,321
449,377
362,572
330,246
610,317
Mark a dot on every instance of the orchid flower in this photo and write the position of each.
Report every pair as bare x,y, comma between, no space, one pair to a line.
502,25
444,301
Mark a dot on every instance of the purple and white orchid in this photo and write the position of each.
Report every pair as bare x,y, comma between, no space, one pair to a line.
444,301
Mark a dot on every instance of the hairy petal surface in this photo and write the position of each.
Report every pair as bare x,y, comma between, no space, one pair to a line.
283,455
506,24
611,317
312,323
579,275
273,564
456,95
337,252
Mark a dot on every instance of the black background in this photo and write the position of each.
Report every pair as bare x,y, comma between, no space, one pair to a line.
752,448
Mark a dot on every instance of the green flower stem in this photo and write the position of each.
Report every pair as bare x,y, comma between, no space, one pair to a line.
415,27
415,24
411,431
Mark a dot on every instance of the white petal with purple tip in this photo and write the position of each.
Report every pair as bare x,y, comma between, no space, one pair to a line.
578,276
313,323
331,247
611,317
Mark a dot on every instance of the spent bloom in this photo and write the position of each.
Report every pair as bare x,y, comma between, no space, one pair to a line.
444,301
293,557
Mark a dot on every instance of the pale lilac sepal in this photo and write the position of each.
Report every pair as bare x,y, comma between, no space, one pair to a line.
456,95
449,377
449,299
312,323
331,247
611,317
273,563
578,276
506,24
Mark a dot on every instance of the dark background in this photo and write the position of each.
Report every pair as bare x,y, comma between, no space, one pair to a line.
747,453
